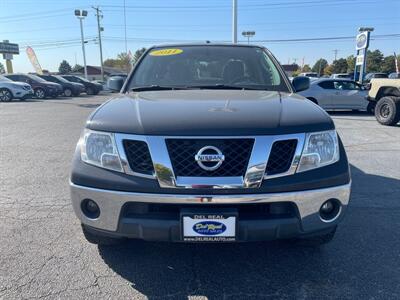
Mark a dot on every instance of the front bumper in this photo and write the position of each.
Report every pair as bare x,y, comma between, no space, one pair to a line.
23,94
113,222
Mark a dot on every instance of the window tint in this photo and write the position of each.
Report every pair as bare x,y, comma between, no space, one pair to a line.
196,66
326,85
345,85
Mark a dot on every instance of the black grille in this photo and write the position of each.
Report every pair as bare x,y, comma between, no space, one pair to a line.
281,156
173,211
138,156
182,153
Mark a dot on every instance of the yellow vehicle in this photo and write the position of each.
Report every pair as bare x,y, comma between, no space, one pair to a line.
384,99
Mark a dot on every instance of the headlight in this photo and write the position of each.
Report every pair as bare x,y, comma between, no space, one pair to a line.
320,149
18,87
99,149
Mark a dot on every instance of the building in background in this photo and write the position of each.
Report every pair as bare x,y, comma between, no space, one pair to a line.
94,72
290,69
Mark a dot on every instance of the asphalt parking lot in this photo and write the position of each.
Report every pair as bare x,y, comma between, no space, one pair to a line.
43,253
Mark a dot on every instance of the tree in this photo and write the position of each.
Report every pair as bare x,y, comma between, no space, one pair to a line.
328,70
351,63
2,70
339,66
374,61
64,67
320,66
122,62
76,68
137,55
388,64
306,68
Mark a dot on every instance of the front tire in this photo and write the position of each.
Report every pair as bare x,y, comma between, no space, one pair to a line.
89,91
40,93
5,95
96,239
67,92
387,111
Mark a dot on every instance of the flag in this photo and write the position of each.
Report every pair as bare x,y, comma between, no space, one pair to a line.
34,61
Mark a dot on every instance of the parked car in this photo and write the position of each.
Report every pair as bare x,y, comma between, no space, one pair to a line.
370,76
394,75
91,88
310,74
337,94
342,75
10,90
69,88
384,97
41,88
209,143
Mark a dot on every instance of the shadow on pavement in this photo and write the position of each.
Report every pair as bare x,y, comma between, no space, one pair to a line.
359,263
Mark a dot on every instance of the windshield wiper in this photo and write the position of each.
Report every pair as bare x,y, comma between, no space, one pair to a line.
224,87
156,88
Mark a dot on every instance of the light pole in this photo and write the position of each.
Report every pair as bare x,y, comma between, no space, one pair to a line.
248,34
234,21
81,14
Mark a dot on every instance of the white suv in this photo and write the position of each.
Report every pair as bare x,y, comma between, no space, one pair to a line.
10,89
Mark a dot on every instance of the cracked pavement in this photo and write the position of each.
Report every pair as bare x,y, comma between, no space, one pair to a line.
43,253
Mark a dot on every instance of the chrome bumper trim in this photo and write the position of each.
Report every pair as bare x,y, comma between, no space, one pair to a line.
110,202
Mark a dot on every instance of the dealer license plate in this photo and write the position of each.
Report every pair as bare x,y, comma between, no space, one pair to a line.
209,228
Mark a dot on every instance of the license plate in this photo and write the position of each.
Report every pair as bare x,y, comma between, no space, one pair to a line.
209,228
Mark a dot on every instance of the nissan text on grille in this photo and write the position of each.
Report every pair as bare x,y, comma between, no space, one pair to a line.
209,143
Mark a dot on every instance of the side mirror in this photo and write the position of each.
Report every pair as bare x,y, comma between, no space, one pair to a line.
115,83
300,83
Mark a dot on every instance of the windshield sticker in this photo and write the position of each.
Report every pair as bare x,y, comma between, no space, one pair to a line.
166,52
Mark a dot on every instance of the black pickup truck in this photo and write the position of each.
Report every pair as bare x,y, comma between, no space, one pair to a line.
209,143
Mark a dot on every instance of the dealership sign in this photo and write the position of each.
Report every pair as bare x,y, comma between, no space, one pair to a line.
362,40
9,48
360,60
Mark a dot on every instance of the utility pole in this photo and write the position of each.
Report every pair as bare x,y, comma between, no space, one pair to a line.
336,52
234,21
126,43
100,29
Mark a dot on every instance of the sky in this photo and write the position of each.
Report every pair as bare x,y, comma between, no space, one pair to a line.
52,30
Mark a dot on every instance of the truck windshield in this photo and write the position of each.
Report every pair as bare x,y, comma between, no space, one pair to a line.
208,67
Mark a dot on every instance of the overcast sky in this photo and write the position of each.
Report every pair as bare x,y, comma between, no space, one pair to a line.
52,30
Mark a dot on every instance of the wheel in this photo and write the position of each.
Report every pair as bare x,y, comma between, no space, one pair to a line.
94,238
67,92
40,94
89,91
318,240
371,108
387,111
5,95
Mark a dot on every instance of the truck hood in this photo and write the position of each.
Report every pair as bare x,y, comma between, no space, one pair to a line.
208,113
